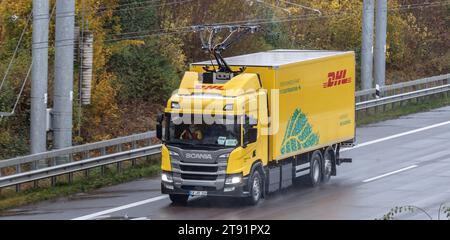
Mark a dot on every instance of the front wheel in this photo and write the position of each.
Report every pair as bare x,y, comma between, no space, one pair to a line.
256,188
178,199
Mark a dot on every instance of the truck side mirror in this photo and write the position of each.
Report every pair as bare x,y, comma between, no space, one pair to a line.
159,120
250,136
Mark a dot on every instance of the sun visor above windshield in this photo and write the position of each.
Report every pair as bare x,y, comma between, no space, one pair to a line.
239,85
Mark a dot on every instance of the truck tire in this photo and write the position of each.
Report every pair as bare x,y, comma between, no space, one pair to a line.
327,164
314,177
179,199
255,186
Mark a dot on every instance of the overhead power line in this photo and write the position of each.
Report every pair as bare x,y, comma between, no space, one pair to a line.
130,4
263,21
273,6
3,114
130,7
302,6
16,50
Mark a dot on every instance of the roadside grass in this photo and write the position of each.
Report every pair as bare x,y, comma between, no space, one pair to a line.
151,167
407,108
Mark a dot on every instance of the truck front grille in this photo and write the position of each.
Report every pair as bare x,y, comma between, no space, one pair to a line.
199,177
198,173
198,168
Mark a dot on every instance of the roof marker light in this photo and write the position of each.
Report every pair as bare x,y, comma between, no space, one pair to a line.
228,107
175,105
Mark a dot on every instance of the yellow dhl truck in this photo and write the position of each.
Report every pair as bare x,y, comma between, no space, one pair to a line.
260,123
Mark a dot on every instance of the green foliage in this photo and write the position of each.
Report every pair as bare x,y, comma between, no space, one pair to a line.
143,73
396,211
14,145
134,19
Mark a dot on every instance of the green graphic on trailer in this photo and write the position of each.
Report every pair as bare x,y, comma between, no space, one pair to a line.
298,134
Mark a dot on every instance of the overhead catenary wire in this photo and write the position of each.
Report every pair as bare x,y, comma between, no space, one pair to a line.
273,6
302,6
289,3
26,77
188,29
131,4
261,21
121,8
268,20
16,50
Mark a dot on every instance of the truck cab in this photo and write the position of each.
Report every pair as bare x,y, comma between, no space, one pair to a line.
212,142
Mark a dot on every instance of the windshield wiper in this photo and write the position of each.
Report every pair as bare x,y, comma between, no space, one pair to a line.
210,145
182,143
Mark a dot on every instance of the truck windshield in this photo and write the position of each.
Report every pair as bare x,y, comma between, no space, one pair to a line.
222,132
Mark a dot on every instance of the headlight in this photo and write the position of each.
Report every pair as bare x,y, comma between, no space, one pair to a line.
224,155
234,179
166,177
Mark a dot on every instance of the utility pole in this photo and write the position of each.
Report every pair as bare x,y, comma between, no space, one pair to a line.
380,43
39,79
64,65
367,44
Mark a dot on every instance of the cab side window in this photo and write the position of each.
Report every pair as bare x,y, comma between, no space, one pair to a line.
250,130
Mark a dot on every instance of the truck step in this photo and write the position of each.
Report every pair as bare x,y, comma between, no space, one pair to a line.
344,160
348,145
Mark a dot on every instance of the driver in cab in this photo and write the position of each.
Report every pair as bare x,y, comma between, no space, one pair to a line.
192,132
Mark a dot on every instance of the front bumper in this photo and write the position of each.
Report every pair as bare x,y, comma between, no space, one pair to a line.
239,190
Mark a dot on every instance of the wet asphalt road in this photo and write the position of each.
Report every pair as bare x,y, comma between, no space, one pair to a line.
408,170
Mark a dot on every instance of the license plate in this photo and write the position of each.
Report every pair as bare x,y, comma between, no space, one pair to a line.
198,193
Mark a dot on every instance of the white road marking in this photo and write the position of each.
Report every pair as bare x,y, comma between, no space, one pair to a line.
102,217
389,173
141,218
131,205
396,136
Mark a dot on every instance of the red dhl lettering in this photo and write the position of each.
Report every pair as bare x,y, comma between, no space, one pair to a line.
209,87
337,78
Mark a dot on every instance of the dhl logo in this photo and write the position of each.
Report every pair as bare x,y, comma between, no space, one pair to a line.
337,78
209,87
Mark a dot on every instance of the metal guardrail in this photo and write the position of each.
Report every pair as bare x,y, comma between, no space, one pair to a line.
402,97
82,157
83,149
404,87
27,168
78,166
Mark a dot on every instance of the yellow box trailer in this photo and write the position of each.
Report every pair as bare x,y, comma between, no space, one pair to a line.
272,118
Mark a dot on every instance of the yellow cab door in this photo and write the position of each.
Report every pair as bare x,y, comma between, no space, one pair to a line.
254,142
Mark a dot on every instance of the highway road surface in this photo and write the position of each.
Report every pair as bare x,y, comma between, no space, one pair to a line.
398,162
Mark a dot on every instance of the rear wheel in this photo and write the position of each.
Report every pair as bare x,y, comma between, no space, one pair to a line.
315,169
255,188
178,199
327,166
